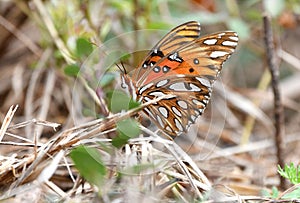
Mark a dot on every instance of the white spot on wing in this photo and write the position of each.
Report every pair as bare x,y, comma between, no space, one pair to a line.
188,127
195,88
182,104
210,41
163,111
216,54
197,102
193,118
162,83
165,69
176,111
173,56
149,112
204,81
157,94
234,38
178,124
160,122
229,43
169,129
147,99
221,34
178,86
141,90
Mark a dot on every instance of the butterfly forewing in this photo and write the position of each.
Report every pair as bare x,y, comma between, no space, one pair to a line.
175,39
184,67
203,56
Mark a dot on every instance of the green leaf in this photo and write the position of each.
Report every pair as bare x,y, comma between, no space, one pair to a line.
290,172
265,193
107,79
89,164
119,100
138,168
158,25
125,7
83,47
72,70
126,129
295,194
119,141
275,192
133,104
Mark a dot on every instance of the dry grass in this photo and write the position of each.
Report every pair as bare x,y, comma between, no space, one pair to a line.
231,157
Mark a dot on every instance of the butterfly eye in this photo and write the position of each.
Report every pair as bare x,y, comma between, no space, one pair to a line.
123,82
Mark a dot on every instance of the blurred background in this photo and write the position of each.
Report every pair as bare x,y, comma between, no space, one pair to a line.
45,44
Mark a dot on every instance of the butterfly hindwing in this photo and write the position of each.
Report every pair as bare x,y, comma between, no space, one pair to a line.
188,97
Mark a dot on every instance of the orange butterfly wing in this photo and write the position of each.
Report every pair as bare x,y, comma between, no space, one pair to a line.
187,72
175,39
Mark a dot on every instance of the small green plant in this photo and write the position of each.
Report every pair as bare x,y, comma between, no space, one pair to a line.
290,172
274,194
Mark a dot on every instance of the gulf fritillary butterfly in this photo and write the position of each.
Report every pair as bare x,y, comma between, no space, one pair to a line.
183,66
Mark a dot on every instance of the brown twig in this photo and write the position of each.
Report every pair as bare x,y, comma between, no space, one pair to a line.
278,109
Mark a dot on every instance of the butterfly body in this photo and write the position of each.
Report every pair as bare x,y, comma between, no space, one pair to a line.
181,67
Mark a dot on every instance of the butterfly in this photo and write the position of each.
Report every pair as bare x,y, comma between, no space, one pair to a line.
181,68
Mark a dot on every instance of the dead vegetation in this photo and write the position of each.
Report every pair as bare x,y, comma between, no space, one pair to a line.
230,156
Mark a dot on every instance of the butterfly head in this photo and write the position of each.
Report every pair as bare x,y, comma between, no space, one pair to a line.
129,85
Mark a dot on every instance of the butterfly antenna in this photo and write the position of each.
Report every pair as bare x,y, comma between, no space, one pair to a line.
122,67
